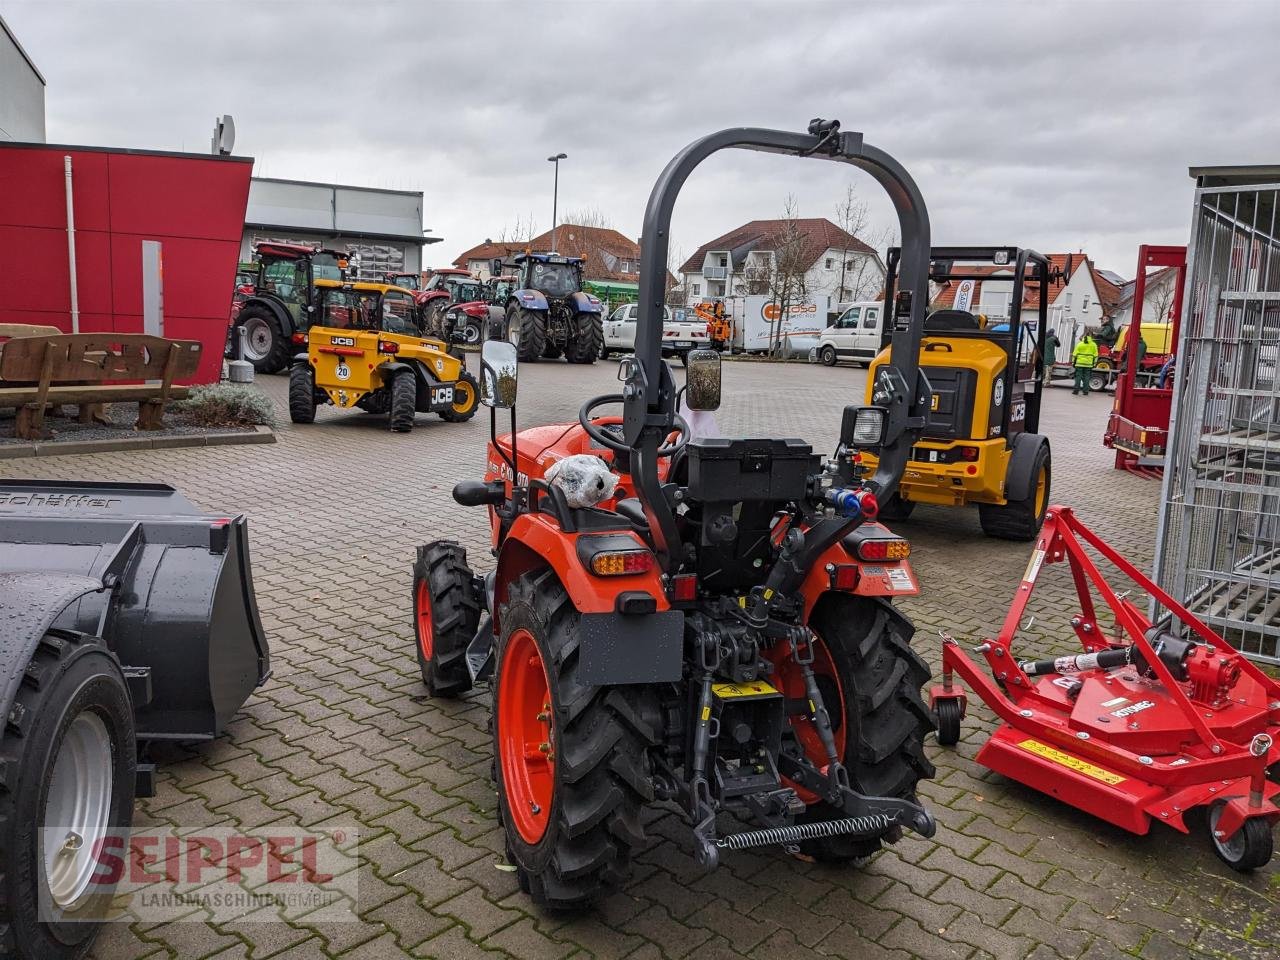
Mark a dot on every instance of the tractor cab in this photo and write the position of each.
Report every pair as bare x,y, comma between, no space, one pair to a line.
549,274
982,353
548,314
281,299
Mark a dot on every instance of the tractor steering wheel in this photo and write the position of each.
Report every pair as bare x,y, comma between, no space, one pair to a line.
611,442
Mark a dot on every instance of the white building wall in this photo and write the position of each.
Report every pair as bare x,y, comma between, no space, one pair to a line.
1077,308
21,92
1156,302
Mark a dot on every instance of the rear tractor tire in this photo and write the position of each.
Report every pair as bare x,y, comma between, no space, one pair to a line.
876,693
466,400
1021,519
404,402
302,393
588,339
69,756
571,760
527,330
446,614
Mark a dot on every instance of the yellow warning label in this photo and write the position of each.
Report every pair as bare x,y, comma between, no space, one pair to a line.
759,688
706,714
1074,763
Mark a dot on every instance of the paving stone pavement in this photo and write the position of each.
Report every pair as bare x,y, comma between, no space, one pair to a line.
342,731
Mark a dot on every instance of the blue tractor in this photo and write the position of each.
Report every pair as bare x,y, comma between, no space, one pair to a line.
548,315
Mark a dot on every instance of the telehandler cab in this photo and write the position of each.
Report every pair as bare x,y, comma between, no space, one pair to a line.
982,444
718,631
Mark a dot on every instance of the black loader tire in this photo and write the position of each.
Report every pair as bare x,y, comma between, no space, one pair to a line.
895,509
529,327
69,677
1020,519
463,409
404,402
276,356
588,339
870,644
602,738
302,393
444,604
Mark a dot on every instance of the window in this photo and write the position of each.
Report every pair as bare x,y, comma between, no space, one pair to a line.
724,261
1066,302
620,313
848,264
626,266
869,322
287,279
830,263
1084,304
697,289
850,319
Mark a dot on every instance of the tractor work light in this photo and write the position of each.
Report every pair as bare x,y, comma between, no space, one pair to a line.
621,563
884,549
388,346
868,427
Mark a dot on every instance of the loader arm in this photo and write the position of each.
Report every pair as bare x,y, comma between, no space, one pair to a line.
649,390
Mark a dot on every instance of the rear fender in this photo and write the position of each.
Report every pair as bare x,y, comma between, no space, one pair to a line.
530,299
283,316
584,303
889,579
1019,483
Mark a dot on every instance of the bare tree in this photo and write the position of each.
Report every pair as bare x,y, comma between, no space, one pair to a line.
588,217
790,268
861,274
524,230
1160,299
676,292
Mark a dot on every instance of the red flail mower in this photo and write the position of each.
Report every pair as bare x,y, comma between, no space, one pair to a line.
1148,725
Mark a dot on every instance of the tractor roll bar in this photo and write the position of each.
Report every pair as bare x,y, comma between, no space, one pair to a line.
649,390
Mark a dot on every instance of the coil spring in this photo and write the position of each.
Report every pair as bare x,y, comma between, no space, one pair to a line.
870,824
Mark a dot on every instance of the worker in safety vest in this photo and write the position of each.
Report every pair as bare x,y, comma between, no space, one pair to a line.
1083,358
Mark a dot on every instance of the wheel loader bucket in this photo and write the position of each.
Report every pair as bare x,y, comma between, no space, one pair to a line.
176,603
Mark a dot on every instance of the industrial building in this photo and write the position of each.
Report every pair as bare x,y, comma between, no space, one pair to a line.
21,91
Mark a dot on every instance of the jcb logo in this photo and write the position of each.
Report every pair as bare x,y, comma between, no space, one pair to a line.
1019,411
343,341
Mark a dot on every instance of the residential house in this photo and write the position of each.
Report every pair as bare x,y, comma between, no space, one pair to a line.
1075,305
1157,301
835,264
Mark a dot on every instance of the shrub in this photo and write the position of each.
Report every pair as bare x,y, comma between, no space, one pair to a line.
226,405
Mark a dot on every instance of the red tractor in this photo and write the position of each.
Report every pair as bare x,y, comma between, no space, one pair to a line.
440,291
703,621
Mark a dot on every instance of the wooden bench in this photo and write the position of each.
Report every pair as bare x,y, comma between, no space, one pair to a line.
84,369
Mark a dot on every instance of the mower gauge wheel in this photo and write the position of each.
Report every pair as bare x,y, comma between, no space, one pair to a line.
1248,848
609,440
948,717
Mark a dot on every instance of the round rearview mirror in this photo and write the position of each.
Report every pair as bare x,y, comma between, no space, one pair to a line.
498,367
702,380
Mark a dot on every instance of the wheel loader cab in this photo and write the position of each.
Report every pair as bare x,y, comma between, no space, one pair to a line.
981,445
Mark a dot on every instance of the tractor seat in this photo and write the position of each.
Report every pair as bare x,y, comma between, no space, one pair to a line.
951,320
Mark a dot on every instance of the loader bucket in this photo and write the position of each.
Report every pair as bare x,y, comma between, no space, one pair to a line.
178,597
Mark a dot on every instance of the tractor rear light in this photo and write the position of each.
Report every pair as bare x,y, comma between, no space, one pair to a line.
684,588
971,470
388,346
969,453
621,563
299,338
845,576
883,549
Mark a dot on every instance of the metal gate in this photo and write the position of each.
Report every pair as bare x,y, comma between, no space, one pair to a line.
1218,542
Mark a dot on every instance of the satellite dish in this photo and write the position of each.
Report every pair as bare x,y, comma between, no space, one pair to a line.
224,136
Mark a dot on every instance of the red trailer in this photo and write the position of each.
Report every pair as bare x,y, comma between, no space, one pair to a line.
1138,428
193,204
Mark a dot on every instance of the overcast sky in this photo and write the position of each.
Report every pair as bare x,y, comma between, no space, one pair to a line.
1058,126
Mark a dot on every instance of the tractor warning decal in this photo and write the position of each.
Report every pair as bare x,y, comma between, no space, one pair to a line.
1073,763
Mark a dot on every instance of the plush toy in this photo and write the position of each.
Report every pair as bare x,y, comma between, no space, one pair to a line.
585,480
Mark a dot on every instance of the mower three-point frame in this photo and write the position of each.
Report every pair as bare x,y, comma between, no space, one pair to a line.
1147,725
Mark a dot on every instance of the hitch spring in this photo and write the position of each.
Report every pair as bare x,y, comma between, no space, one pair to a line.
874,823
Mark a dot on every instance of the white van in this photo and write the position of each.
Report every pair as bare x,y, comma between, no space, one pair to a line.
855,334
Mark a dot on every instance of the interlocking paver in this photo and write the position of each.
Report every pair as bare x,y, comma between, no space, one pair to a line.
343,733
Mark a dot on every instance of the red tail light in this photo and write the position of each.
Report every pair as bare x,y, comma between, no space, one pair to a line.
894,548
684,588
844,576
388,346
619,563
969,453
299,338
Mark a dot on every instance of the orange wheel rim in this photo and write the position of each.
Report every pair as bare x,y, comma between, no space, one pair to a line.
790,683
1042,489
526,739
422,611
468,397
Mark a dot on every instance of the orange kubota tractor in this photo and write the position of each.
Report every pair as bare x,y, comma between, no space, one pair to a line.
703,621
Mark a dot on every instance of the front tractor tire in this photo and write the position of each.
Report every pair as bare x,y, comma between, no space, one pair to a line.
1021,519
527,331
874,677
302,393
446,614
404,402
69,758
571,760
266,342
587,343
466,400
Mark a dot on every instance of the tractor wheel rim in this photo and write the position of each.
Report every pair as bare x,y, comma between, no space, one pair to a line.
468,397
471,333
1232,848
257,339
422,611
77,808
789,681
526,738
1042,489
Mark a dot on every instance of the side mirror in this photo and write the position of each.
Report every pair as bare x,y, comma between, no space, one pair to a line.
495,267
498,366
702,380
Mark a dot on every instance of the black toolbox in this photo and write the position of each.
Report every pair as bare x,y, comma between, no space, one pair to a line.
727,470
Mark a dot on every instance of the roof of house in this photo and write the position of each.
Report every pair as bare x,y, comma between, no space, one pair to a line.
1059,264
602,249
817,236
1154,279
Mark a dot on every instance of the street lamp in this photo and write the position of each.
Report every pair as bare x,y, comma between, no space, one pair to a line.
555,195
